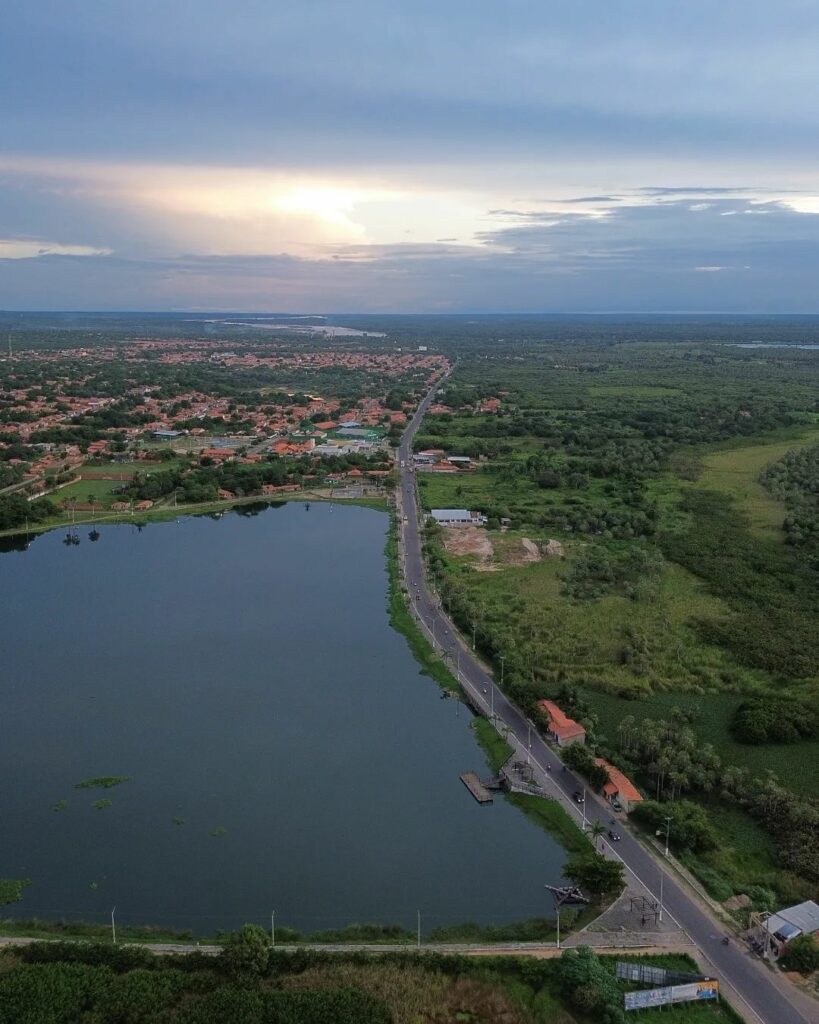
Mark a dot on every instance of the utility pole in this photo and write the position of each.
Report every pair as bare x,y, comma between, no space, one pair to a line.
113,926
419,929
584,808
667,832
273,928
503,664
528,742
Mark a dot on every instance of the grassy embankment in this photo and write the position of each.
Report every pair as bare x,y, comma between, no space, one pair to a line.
62,983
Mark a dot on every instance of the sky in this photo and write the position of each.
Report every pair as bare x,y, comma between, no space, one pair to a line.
410,156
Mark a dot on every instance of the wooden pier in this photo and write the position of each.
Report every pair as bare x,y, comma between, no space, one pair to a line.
476,788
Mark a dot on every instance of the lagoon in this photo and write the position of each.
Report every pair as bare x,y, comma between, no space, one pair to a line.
284,751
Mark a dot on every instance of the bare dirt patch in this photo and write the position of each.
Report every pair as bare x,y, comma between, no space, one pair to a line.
468,540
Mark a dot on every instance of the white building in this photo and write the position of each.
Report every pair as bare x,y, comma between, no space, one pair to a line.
457,517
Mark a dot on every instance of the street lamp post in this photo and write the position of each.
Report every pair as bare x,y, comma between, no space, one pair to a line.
528,742
565,894
503,662
662,871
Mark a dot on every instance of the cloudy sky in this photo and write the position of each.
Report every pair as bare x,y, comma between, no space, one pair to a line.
408,155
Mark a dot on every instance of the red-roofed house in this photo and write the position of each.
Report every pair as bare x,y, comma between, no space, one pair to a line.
619,787
560,728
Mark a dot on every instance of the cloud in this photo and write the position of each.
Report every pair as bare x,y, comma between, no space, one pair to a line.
645,258
368,153
27,249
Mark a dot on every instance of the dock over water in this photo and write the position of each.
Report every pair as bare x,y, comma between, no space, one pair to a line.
476,788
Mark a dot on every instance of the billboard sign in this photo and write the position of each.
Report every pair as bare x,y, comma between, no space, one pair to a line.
694,992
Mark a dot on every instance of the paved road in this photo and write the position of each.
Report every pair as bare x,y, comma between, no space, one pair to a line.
757,992
538,949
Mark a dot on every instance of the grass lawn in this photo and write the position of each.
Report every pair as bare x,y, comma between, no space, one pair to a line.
550,815
735,472
495,747
103,491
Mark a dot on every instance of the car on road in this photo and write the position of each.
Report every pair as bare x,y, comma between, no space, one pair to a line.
579,797
614,836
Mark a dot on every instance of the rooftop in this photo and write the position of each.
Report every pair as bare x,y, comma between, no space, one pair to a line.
803,919
618,784
560,723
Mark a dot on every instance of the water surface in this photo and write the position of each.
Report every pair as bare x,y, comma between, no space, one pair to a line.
244,674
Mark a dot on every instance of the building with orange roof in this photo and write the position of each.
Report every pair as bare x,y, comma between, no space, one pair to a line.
619,788
559,727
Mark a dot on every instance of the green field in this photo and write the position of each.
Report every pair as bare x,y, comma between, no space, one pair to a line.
81,491
735,472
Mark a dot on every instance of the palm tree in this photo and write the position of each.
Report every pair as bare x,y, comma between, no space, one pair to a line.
597,830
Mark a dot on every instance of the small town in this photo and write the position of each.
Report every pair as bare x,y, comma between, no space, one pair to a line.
79,429
409,513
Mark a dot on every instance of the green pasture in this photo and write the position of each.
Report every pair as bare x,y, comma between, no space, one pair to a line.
81,491
736,471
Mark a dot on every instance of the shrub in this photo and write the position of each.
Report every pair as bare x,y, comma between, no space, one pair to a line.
802,955
245,953
771,719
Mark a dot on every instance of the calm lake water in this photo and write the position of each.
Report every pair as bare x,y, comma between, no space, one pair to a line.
243,672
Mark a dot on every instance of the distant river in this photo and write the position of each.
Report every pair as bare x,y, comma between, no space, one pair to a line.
244,673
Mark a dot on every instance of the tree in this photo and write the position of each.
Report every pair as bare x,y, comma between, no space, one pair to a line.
245,954
585,982
597,830
691,827
595,874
